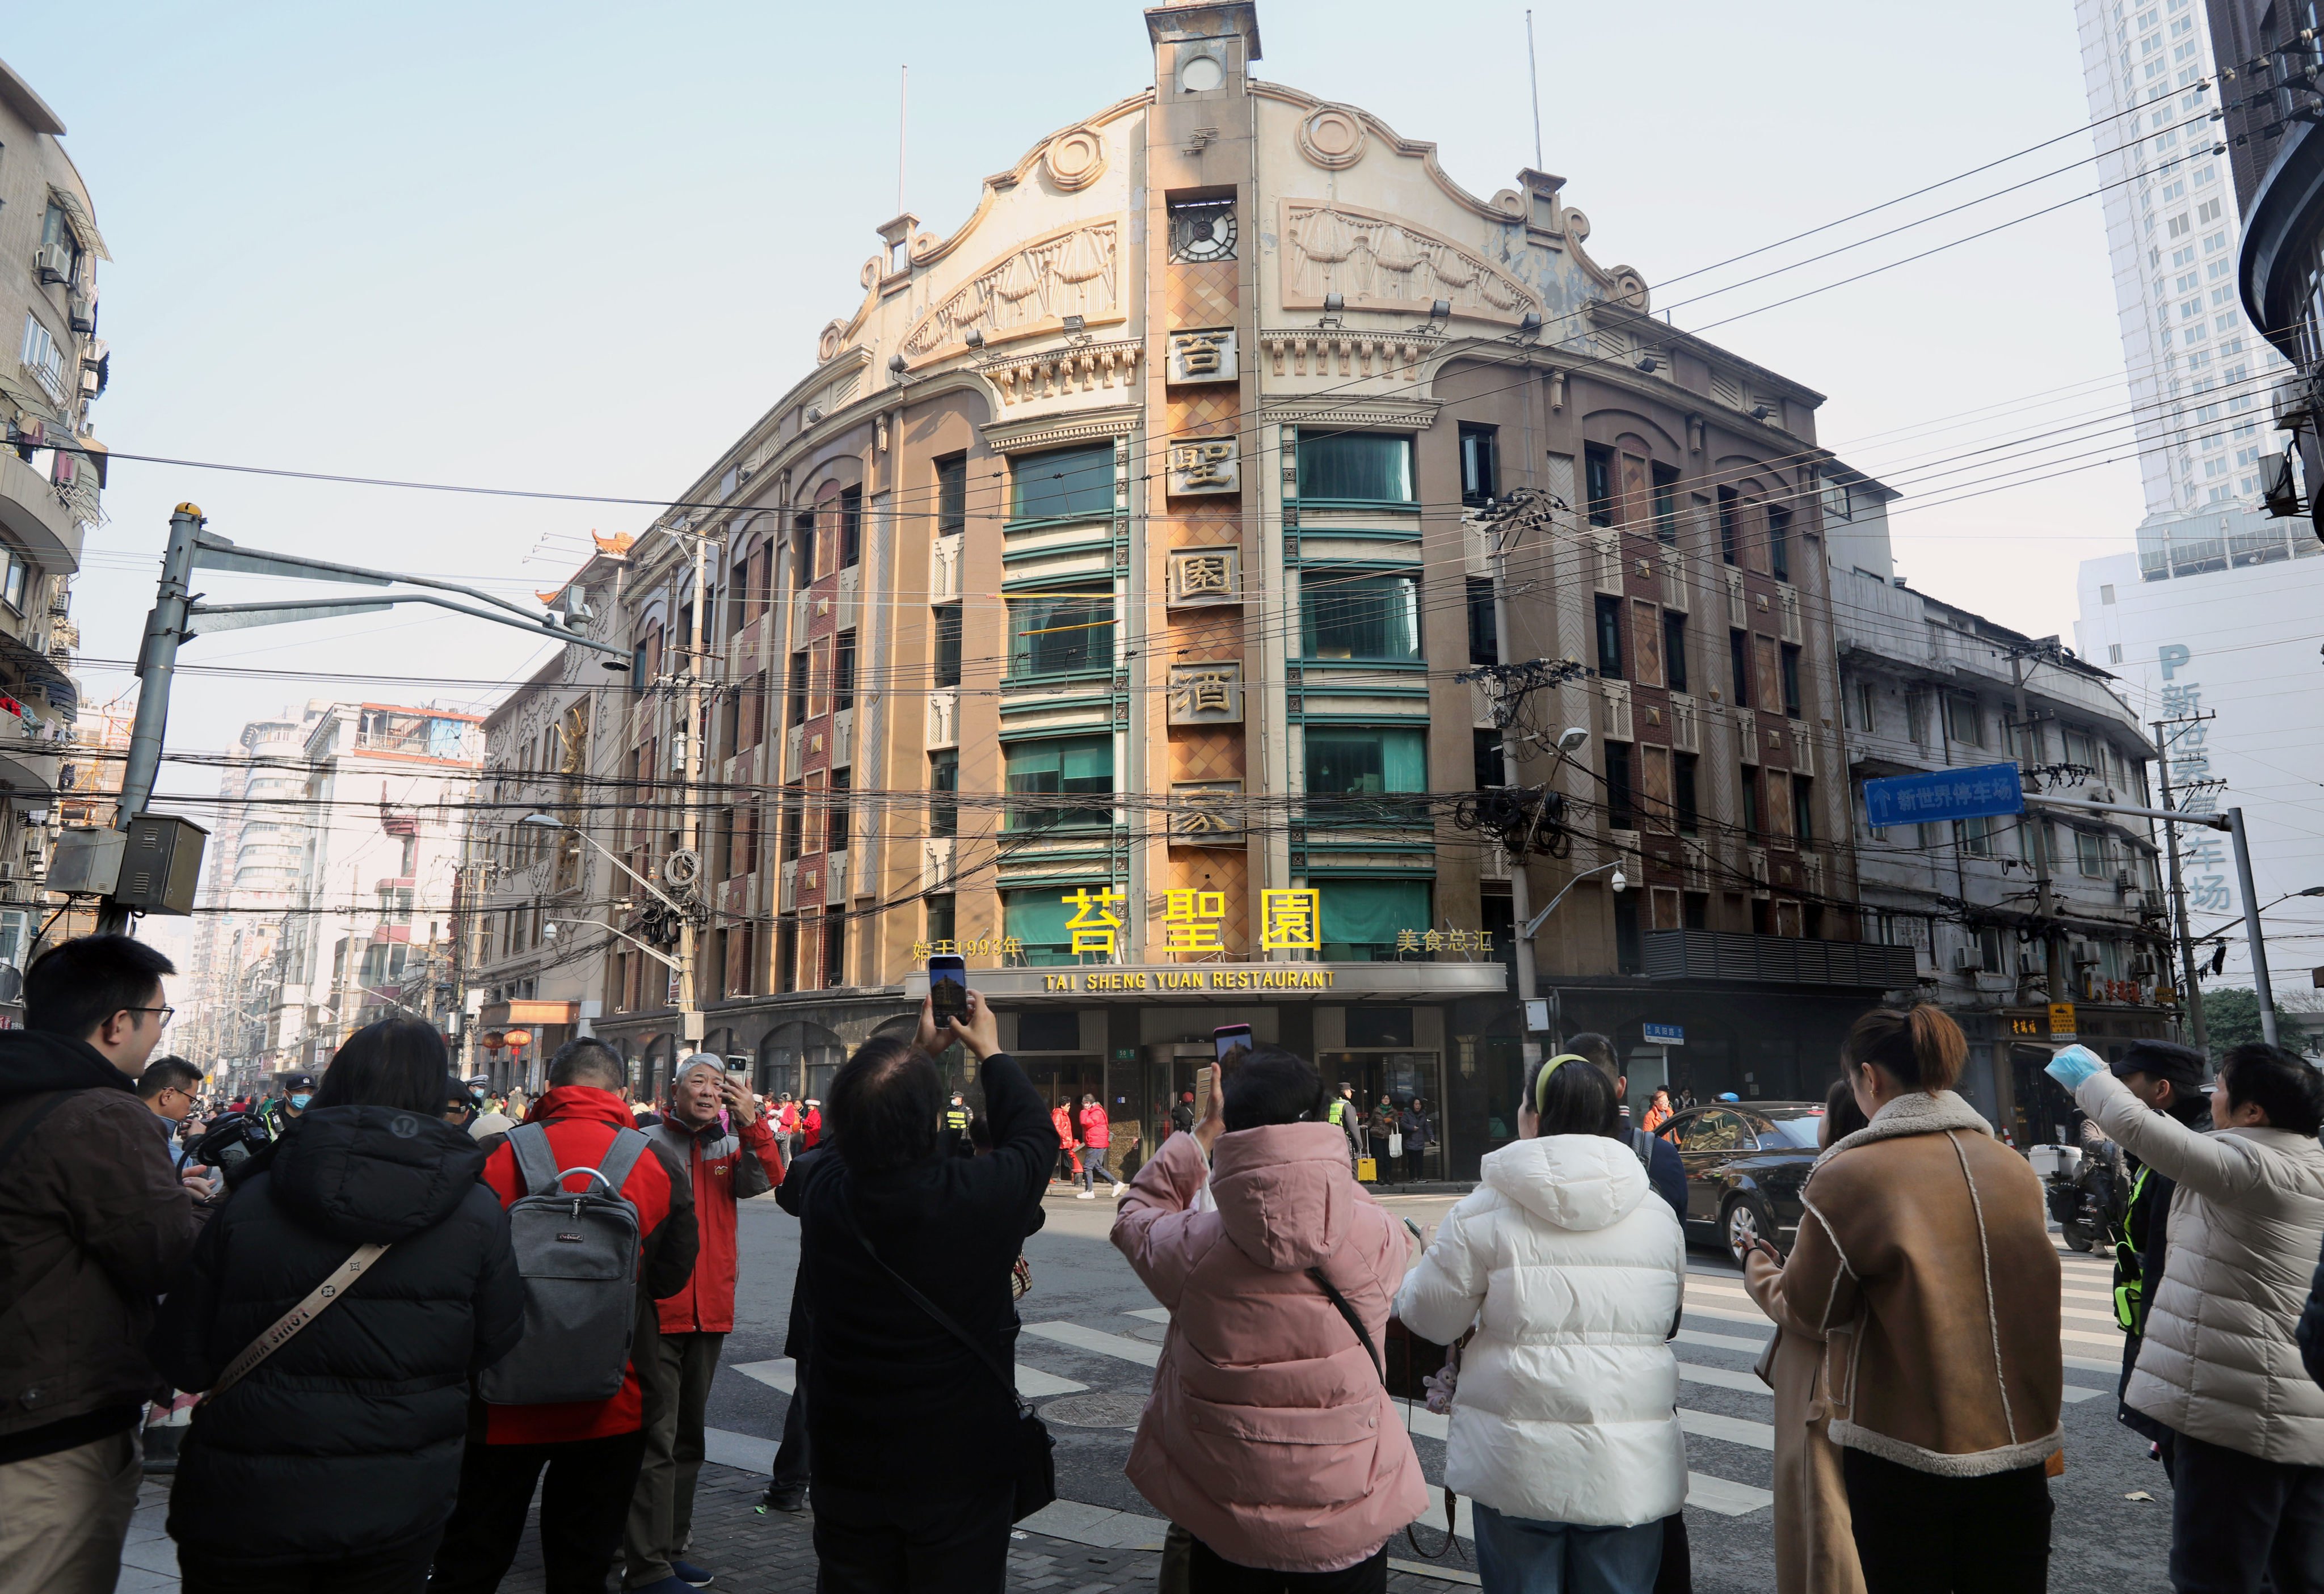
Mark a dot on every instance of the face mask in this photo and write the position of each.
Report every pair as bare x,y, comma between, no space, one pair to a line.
301,1102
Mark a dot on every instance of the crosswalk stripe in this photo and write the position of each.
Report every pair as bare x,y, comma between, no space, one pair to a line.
1031,1381
1089,1339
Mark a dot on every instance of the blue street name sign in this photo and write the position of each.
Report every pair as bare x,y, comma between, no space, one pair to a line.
1664,1035
1943,794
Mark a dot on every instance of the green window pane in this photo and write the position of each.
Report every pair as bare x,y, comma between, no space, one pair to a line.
1038,919
1356,465
1058,768
1063,482
1362,917
1060,632
1357,761
1374,617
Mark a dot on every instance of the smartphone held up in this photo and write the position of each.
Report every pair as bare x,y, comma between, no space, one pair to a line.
948,988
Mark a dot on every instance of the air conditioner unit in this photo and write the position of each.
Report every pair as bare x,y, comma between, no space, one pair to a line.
55,262
7,872
2083,955
1967,962
80,311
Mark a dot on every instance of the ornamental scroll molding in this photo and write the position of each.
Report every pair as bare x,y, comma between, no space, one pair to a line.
1378,262
1074,272
1053,372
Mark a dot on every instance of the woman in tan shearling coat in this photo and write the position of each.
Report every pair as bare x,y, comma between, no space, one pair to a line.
1816,1552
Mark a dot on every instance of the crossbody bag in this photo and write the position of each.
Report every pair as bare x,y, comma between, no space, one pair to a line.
318,1301
1363,1334
1036,1473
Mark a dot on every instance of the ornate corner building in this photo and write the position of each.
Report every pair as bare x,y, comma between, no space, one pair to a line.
1099,607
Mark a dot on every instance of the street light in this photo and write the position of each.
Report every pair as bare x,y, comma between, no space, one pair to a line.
1619,882
554,823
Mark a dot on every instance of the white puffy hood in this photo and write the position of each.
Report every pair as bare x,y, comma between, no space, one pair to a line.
1577,1182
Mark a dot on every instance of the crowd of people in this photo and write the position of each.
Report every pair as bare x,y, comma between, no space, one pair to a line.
409,1305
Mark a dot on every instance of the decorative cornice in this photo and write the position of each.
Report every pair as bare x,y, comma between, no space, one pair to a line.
1049,373
1023,437
1355,350
1321,411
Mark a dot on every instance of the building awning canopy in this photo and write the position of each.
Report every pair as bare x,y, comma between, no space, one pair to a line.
30,667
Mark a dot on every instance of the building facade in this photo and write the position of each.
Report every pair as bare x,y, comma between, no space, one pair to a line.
1100,607
383,808
1928,686
2199,373
533,901
2211,634
51,474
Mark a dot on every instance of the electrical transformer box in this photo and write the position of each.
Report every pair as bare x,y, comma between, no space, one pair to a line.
160,865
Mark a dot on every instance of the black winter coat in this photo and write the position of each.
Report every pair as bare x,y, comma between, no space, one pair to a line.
2311,1331
348,1438
893,1401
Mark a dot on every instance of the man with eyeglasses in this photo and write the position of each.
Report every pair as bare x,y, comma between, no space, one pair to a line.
167,1089
93,1222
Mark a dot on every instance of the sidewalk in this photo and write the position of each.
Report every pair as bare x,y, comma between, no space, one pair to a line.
1082,1549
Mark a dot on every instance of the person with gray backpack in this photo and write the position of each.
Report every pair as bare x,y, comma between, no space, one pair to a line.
601,1222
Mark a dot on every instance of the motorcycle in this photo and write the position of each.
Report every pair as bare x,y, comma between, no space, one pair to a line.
2086,1191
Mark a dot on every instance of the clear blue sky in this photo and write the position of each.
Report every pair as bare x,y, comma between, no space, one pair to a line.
581,247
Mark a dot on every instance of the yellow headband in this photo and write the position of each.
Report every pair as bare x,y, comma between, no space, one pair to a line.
1540,1081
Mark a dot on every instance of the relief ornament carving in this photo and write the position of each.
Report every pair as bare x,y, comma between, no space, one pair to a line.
1375,259
1072,273
1332,137
1075,160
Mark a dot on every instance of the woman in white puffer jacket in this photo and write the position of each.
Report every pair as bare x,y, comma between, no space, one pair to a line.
1564,1430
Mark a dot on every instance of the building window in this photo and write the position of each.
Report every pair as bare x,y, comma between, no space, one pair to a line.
1061,631
1962,722
1610,637
952,494
1065,766
802,552
947,662
1974,836
1739,667
1037,921
1063,484
794,821
44,358
1683,801
1484,629
1360,918
1675,648
798,689
1863,702
1802,809
1666,504
1480,479
842,673
1597,481
1370,617
944,781
1372,467
1731,537
2090,854
1779,541
834,946
786,952
1358,762
1491,764
1621,794
943,918
837,828
851,526
1750,786
1790,668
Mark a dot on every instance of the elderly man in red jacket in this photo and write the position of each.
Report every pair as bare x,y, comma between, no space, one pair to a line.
715,1132
592,1448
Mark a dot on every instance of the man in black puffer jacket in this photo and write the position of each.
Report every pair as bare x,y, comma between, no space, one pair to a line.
338,1456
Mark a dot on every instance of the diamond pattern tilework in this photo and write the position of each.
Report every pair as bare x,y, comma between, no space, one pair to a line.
1199,294
1194,522
1200,755
1220,407
1226,870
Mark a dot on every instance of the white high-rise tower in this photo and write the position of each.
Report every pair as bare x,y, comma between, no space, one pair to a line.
2199,373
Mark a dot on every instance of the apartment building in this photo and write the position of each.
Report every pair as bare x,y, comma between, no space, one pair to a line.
51,474
1097,606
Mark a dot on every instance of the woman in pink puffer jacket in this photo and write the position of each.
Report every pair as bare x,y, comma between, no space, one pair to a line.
1268,1435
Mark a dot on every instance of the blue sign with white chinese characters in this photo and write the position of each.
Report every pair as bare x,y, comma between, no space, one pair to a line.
1664,1035
1943,794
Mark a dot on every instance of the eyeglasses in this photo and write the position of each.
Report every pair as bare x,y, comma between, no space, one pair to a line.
167,1014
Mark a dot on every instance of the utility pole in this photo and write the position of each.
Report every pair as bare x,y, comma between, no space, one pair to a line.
2053,961
157,668
2193,995
690,1004
1521,887
2253,938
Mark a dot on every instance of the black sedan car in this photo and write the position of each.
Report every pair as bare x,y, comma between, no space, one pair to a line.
1745,1163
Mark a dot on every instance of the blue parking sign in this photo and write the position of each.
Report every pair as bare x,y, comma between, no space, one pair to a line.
1943,794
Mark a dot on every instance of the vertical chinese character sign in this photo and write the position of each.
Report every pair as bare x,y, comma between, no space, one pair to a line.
1291,921
1094,925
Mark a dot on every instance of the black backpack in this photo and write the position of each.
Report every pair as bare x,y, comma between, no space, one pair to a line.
578,1253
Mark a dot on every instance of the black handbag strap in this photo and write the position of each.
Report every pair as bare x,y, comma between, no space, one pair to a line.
1371,1352
943,1319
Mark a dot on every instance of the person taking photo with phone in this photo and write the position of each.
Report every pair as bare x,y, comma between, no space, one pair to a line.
716,1133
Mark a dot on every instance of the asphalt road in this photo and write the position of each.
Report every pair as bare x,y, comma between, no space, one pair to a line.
1084,1326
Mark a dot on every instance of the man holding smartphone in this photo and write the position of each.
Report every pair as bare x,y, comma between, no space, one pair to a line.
716,1133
